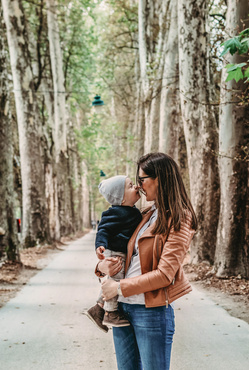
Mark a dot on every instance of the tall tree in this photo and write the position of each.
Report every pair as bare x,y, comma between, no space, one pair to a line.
158,52
86,216
51,181
200,127
61,168
58,78
231,256
151,34
8,235
139,119
35,220
169,124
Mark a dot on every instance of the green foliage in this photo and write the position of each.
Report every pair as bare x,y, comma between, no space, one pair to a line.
235,72
100,144
78,40
232,46
97,44
246,73
238,44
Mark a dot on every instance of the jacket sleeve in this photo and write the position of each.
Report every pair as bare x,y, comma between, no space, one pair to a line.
172,257
107,227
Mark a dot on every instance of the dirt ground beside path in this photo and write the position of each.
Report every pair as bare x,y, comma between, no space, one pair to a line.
232,293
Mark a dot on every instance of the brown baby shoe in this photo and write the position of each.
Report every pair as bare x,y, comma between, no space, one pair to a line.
96,314
115,318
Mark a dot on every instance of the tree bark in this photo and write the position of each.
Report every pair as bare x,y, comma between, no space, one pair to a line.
139,126
86,215
52,202
84,202
51,181
58,79
152,28
75,180
62,165
35,220
199,123
231,256
8,227
170,102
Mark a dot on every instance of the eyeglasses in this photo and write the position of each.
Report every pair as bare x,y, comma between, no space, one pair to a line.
141,179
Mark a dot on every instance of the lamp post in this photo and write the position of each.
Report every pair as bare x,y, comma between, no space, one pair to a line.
97,103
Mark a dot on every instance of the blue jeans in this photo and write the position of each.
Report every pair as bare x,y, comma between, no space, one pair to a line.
147,342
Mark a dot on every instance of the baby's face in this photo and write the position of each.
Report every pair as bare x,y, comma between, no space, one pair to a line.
131,193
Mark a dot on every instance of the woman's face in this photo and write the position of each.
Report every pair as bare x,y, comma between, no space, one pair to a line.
149,186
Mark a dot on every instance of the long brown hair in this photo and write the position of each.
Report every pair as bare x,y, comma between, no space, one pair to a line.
172,200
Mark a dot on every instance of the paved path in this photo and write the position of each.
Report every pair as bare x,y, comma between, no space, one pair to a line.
42,328
207,337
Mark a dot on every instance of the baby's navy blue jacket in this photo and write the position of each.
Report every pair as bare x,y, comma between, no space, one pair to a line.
116,226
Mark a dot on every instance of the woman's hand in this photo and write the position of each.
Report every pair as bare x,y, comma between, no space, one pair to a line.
110,266
109,289
100,252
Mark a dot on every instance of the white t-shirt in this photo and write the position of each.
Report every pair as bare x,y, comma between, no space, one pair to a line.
135,268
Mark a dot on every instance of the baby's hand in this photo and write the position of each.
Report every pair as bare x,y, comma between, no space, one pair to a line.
100,253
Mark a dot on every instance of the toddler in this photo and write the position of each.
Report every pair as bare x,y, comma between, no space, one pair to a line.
116,226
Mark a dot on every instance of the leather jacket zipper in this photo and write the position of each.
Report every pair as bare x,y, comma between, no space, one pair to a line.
166,296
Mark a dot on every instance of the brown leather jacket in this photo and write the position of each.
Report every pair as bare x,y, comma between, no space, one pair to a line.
162,279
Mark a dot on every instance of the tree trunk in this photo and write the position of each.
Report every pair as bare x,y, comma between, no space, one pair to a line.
8,227
199,123
231,256
58,78
75,180
62,165
138,129
84,202
50,167
35,220
170,101
139,126
152,47
86,198
52,202
79,200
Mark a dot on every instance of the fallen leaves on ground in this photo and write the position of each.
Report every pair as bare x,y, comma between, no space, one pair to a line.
10,271
203,272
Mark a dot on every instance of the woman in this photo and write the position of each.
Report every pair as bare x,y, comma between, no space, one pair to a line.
154,274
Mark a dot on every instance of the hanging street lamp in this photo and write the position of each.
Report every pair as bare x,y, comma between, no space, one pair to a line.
97,103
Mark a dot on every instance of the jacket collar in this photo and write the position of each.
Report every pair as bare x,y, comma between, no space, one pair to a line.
131,243
147,233
145,219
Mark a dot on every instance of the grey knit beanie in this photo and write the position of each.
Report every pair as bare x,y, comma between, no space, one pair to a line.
113,189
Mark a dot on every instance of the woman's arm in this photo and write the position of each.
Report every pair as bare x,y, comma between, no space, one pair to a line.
135,285
172,257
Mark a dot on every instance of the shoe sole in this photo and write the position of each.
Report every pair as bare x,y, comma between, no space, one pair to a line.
115,326
92,319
